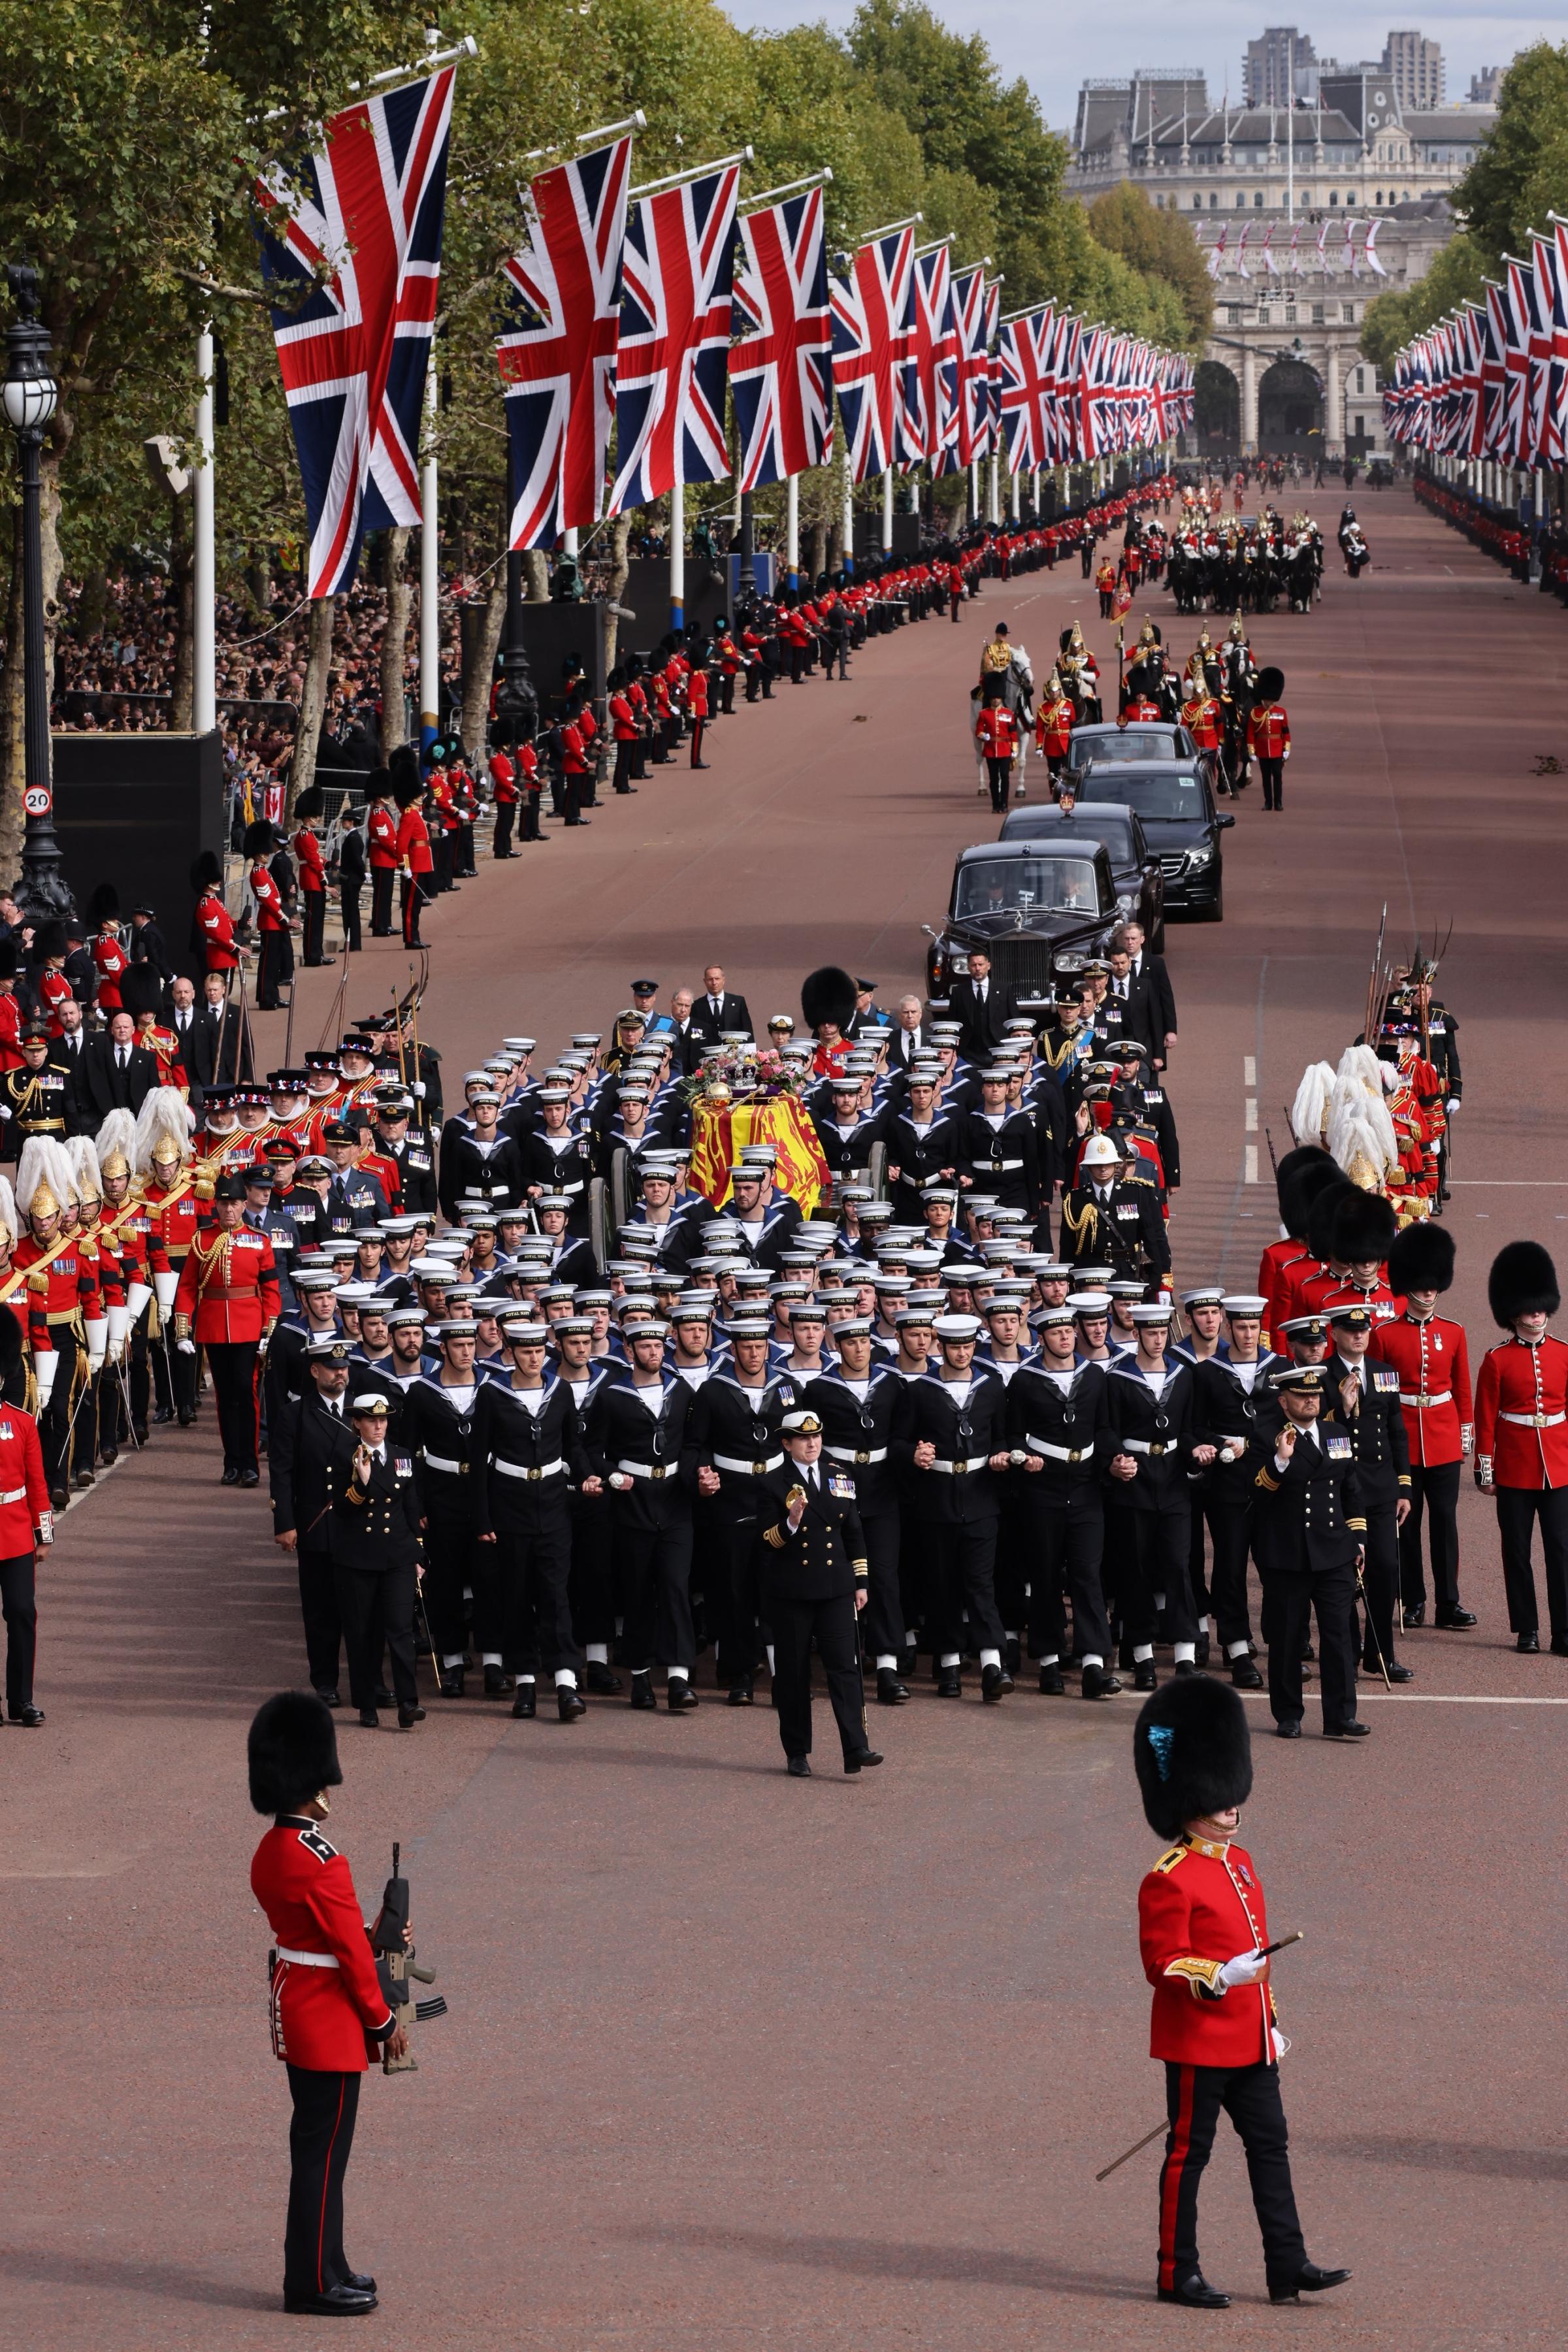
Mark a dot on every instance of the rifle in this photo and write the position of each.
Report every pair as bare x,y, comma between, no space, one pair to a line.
1273,1156
395,1964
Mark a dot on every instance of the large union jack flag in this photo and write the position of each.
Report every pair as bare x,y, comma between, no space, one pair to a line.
935,349
781,371
1027,386
673,357
557,354
353,252
873,327
971,320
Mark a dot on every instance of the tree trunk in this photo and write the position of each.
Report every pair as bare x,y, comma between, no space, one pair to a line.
183,581
13,717
395,640
620,573
92,605
313,700
535,576
479,674
815,551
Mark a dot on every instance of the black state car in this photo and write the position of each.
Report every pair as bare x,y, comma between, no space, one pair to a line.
1135,869
1027,903
1177,812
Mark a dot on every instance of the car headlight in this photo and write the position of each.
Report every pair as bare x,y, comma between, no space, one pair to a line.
1124,902
1069,963
957,962
1198,858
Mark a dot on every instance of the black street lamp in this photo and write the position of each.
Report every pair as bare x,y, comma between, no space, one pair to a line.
746,581
28,394
517,703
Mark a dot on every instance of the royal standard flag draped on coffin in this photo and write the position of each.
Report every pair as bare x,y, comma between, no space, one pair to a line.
721,1130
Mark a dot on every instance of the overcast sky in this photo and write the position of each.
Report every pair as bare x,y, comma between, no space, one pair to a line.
1056,48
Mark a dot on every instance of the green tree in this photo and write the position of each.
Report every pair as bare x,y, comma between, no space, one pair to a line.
1161,247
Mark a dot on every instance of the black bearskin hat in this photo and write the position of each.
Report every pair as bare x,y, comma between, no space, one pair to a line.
827,995
1139,681
1270,685
1320,1215
1192,1751
378,783
292,1751
1523,1281
260,839
49,939
407,783
1422,1259
1298,1191
1305,1155
1364,1228
103,907
141,990
206,870
311,802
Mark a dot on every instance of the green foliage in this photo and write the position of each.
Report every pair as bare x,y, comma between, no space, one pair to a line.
1161,247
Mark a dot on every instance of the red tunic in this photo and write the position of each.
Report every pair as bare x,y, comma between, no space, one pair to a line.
996,731
311,863
216,927
324,2017
1199,1906
1521,1413
54,990
503,780
269,915
383,832
414,844
113,963
23,1492
10,1030
1268,732
228,1287
1433,1369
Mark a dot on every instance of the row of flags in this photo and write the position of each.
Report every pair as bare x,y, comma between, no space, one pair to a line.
1299,253
643,311
1491,379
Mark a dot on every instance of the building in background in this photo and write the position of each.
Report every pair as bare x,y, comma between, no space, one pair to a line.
1485,85
1416,65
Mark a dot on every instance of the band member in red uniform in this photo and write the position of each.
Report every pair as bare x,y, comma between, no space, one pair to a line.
62,1295
381,830
271,922
1268,736
414,854
697,710
313,867
997,733
1429,1354
503,789
328,2007
624,731
227,1302
1203,1932
216,925
1522,1437
1055,717
27,1526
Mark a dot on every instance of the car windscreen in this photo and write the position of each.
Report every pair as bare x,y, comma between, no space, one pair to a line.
1069,833
1167,792
996,886
1129,746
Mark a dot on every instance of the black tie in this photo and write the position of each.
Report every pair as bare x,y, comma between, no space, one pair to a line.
119,1057
980,993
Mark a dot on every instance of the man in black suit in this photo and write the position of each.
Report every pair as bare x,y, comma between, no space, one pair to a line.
233,1062
685,1043
715,1011
912,1035
197,1036
115,1073
65,1055
981,1007
1140,993
147,942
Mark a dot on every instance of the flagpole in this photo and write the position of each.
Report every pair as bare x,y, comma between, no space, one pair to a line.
429,574
203,694
677,555
888,511
792,531
848,503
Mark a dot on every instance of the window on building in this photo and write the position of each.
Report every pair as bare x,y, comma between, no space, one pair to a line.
1347,312
1289,314
1240,199
1333,195
1263,314
1317,314
1213,199
1377,200
1233,316
1406,198
1361,379
1198,204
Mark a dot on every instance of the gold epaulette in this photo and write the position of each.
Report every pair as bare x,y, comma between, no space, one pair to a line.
38,1279
1169,1859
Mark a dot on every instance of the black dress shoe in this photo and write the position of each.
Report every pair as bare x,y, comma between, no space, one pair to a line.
679,1697
332,2303
407,1717
361,2281
452,1682
1195,2291
186,1419
1309,1655
1185,1666
993,1684
862,1757
251,1477
1289,1729
949,1683
1244,1676
525,1705
138,1429
382,1696
1201,1648
1458,1620
328,1697
1097,1684
1528,1644
642,1692
1051,1683
1415,1615
1145,1678
740,1693
28,1716
1347,1731
107,1453
497,1684
162,1418
602,1682
230,1476
569,1702
798,1768
890,1691
1309,2280
1397,1674
368,1719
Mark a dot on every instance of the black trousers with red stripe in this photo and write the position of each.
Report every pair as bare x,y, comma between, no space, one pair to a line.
320,2136
1249,2096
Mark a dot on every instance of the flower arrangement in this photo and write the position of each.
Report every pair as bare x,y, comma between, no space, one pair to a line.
745,1074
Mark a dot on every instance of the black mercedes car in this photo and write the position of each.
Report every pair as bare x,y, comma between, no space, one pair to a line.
1177,812
1025,903
1142,742
1135,869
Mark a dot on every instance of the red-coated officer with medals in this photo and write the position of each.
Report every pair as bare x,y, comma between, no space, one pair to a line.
329,2012
1203,1930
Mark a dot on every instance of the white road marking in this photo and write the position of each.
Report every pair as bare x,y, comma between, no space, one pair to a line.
1249,1171
1248,1070
1437,1698
1252,1115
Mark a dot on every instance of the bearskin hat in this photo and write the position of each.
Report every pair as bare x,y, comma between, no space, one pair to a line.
141,990
103,907
50,940
1192,1751
1307,1185
407,783
1304,1156
1320,1215
1270,685
1523,1281
292,1751
378,783
311,802
260,839
827,995
206,870
1364,1228
1422,1259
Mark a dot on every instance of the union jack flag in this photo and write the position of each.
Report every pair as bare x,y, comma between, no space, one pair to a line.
1067,448
782,375
1026,386
357,247
973,307
1518,319
935,346
872,327
673,357
1545,346
557,360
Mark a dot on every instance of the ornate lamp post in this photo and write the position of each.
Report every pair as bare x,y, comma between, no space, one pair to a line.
28,394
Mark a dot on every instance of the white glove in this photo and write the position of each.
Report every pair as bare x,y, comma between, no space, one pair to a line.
418,1088
1467,1442
184,1346
94,1362
1281,2042
1244,1970
1452,1105
1484,1468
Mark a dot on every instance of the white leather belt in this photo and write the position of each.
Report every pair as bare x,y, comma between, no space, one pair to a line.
1534,1420
522,1470
308,1959
648,1469
747,1469
1444,1397
835,1453
438,1461
14,1495
960,1469
576,1186
1147,1445
1059,1453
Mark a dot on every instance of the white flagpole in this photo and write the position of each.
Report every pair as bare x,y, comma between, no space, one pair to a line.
993,497
678,556
204,697
429,573
887,511
848,502
792,531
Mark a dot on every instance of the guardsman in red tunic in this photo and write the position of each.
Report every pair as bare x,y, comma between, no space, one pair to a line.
217,927
27,1526
271,922
1522,1437
112,963
1203,1930
503,789
312,867
697,708
10,1010
1268,736
381,830
575,781
414,854
1105,586
997,733
1432,1360
1300,1177
624,731
227,1302
1056,714
329,2010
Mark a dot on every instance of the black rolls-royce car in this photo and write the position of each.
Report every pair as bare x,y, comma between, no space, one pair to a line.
1025,902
